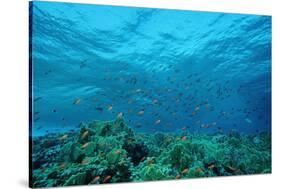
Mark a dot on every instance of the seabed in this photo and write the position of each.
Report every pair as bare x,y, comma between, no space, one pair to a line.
111,152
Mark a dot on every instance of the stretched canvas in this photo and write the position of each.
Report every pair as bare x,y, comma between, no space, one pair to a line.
127,94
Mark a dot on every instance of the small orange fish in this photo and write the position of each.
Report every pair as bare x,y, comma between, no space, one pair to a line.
84,134
110,108
106,179
96,179
184,171
178,177
85,161
143,158
63,137
212,166
140,113
198,170
150,161
120,115
233,169
77,101
61,166
85,145
184,138
157,121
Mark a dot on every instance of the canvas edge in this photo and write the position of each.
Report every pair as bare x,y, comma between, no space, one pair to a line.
30,5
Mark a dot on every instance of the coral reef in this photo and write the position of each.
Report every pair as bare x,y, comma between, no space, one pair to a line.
111,152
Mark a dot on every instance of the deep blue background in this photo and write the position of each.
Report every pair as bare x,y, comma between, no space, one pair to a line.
131,57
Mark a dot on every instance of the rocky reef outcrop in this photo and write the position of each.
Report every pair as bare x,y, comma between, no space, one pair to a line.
111,152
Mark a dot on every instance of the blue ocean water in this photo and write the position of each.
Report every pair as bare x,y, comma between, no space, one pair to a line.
162,70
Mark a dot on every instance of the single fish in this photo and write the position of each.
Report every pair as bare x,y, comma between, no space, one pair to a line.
109,107
212,166
85,161
178,177
61,166
99,109
120,115
84,135
138,90
36,119
83,64
155,101
106,179
38,98
248,120
231,169
140,113
77,101
85,145
63,137
184,138
198,170
184,171
96,179
157,121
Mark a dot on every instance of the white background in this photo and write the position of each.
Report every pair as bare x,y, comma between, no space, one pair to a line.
14,92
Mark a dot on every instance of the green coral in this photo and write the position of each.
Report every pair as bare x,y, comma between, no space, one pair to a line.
71,152
101,149
77,179
177,156
116,156
152,172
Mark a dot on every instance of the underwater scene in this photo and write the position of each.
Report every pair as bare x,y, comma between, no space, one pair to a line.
126,94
